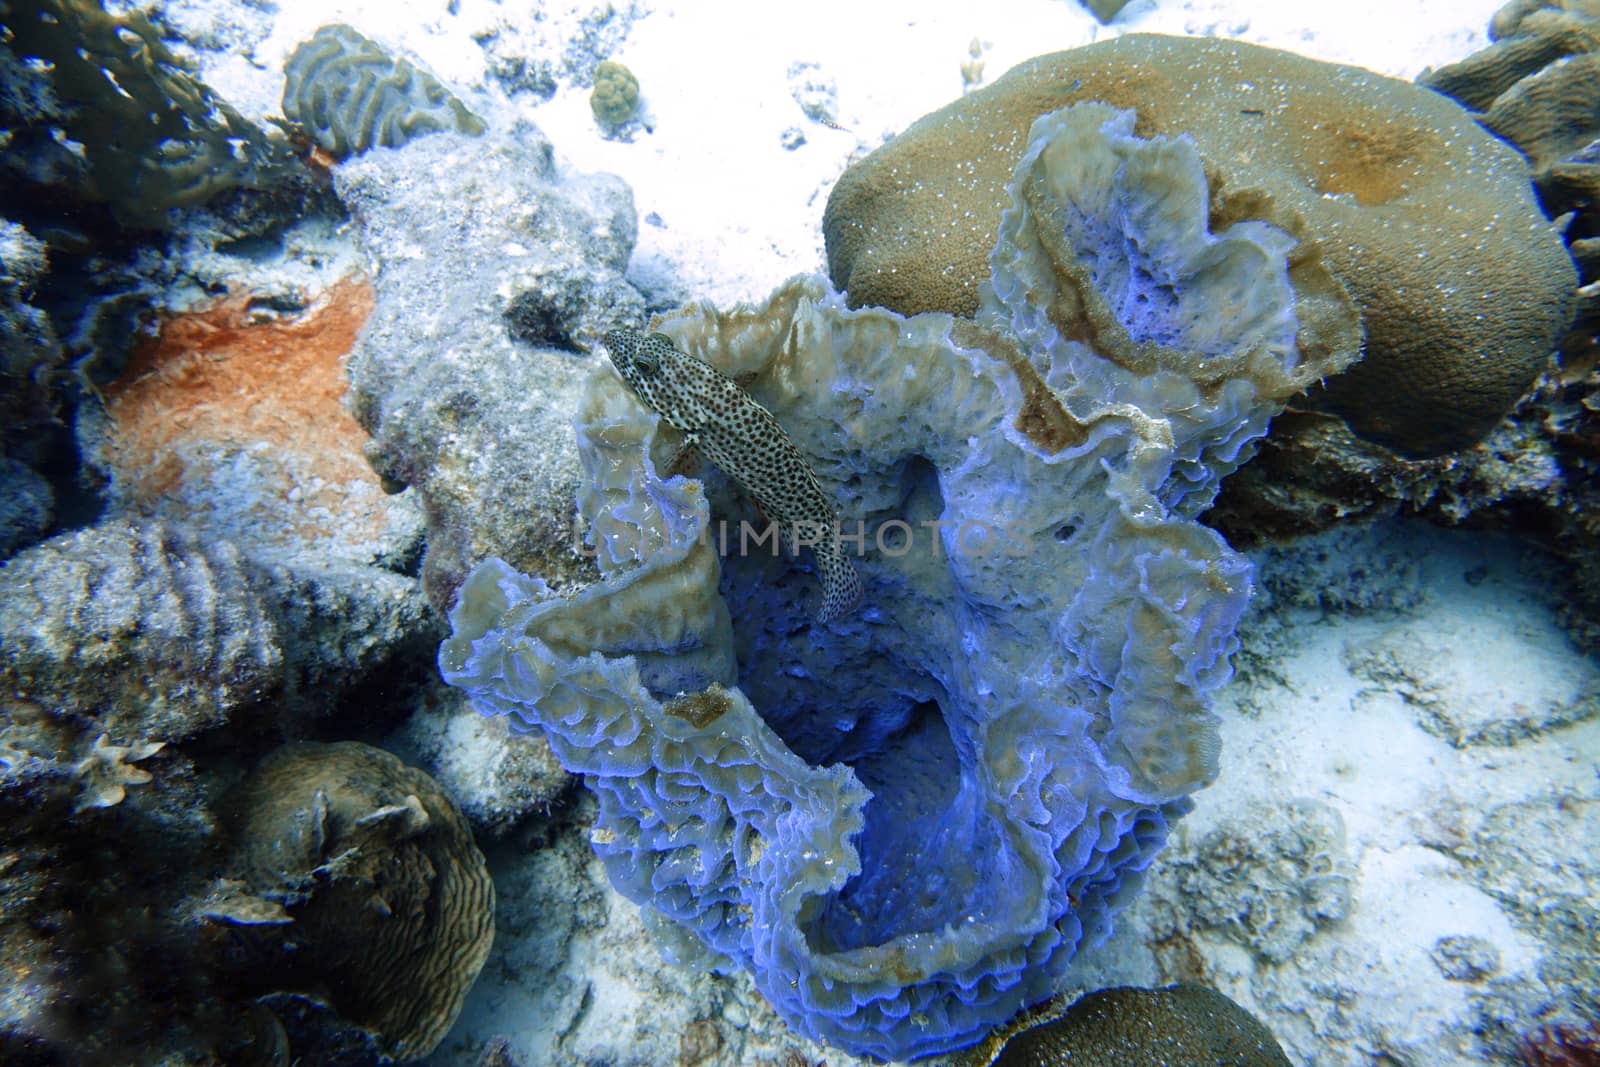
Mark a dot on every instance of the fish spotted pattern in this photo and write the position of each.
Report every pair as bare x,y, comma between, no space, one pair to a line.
743,439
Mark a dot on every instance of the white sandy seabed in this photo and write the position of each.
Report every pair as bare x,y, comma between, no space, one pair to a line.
1399,685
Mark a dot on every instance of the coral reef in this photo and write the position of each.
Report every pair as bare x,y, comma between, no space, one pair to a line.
146,629
1544,885
1538,472
1432,676
348,95
718,418
32,353
465,374
1055,449
1562,1046
1428,955
1537,475
1385,178
138,130
26,506
107,771
499,778
562,44
815,92
1267,891
1126,1027
354,878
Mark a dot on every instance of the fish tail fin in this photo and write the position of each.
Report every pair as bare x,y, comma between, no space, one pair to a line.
841,585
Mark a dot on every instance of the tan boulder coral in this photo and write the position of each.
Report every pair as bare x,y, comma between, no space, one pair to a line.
355,881
1427,220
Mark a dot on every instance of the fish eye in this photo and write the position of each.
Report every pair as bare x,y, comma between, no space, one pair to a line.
647,357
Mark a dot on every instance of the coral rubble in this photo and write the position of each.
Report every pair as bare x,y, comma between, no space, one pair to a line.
906,824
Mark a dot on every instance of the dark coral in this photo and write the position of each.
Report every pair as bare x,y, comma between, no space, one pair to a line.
1127,1027
137,130
1562,1046
354,880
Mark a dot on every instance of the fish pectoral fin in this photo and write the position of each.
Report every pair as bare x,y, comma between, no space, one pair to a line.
686,459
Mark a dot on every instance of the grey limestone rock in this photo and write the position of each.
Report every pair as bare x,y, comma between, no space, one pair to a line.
492,270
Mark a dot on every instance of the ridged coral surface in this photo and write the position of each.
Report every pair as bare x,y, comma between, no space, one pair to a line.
349,94
906,823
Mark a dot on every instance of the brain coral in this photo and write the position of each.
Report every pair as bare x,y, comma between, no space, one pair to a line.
349,94
357,880
906,823
1427,220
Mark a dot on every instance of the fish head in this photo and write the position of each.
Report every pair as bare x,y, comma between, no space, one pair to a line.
639,359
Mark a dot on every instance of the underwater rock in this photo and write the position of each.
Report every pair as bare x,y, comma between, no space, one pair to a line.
1024,694
32,355
498,777
389,901
1384,177
26,506
140,626
148,631
1187,1025
467,236
348,94
30,369
138,130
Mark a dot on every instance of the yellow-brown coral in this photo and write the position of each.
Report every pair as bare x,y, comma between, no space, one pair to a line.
390,903
1424,218
234,416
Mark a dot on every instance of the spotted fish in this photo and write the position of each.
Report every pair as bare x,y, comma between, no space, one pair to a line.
742,438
